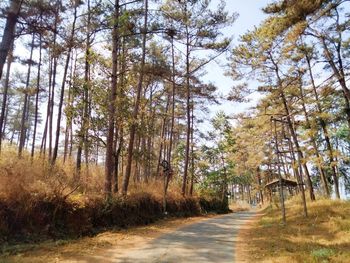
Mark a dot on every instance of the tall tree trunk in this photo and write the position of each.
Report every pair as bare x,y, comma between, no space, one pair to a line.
162,137
67,132
60,106
9,31
324,128
258,176
4,106
297,145
5,122
25,112
37,96
188,110
292,130
53,81
137,104
109,164
48,109
314,144
116,160
83,133
192,154
150,134
172,101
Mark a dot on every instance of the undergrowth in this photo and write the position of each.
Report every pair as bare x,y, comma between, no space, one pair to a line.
39,201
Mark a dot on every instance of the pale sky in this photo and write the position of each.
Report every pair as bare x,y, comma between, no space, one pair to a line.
250,15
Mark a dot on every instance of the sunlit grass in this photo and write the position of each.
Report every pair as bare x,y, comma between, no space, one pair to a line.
324,236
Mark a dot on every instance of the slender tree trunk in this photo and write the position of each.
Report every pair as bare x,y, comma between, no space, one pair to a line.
296,142
149,135
188,112
4,107
53,86
258,175
292,130
137,104
192,153
297,169
324,129
116,160
5,122
162,137
172,101
60,106
9,31
109,164
48,109
67,132
83,134
314,144
25,112
37,96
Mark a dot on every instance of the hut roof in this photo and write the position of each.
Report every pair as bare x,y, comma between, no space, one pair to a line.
285,182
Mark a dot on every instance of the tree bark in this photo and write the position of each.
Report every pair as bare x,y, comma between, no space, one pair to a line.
188,111
324,129
172,101
37,96
25,112
60,106
9,31
137,104
83,133
4,106
109,165
314,144
53,81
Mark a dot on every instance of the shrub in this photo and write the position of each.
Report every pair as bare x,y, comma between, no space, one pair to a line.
39,201
213,205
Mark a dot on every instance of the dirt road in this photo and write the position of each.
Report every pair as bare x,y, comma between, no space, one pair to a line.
211,240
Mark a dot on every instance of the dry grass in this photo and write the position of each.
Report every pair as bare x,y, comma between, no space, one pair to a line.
19,175
322,237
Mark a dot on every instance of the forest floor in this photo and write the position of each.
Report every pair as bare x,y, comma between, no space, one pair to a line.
322,237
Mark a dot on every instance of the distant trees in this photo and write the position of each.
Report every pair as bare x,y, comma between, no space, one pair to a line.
298,56
196,28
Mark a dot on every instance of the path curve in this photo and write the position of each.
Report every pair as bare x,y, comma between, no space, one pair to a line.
211,240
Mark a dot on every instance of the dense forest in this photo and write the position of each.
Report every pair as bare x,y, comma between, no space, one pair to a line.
99,96
109,83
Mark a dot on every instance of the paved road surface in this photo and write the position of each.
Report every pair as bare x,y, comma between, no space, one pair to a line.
211,240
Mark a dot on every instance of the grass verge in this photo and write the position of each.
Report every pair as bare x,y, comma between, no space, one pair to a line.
324,236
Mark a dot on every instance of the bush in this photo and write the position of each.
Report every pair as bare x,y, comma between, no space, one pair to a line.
40,201
38,217
213,205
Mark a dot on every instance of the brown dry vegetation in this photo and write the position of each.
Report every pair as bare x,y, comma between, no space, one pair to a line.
39,202
322,237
